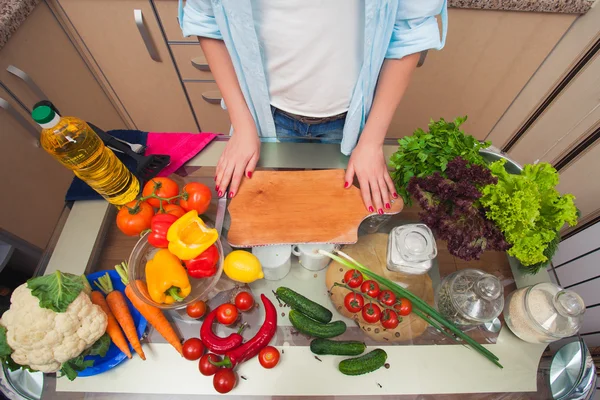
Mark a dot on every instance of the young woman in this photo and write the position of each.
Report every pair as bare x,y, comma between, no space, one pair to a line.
331,69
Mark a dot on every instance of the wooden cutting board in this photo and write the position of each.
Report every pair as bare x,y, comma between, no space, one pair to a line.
371,251
291,207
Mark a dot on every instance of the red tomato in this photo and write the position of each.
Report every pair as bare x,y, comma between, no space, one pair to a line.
387,297
193,349
404,307
173,209
389,319
196,196
371,288
353,278
244,301
132,220
224,380
268,357
227,314
162,187
205,367
354,302
196,309
371,313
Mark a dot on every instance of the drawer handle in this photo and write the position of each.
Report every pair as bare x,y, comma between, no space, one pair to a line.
35,133
200,63
139,21
212,97
28,81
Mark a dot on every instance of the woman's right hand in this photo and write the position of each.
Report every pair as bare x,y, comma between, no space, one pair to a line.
238,159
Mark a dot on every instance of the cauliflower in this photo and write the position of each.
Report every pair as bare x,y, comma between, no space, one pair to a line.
44,339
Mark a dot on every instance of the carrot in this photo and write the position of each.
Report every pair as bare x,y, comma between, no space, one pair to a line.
113,329
117,304
153,315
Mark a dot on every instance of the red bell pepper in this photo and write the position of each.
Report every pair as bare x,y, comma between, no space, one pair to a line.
217,344
253,346
204,265
159,226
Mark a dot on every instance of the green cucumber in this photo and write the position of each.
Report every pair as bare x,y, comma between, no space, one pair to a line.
364,364
307,307
337,348
314,328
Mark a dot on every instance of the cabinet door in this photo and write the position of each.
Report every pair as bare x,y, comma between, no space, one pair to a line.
126,41
167,12
41,50
34,184
206,100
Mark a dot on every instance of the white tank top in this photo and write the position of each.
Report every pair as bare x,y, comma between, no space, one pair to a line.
313,52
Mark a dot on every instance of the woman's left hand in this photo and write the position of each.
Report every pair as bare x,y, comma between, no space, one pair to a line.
367,162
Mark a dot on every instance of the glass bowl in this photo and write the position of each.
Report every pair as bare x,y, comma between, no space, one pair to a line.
144,251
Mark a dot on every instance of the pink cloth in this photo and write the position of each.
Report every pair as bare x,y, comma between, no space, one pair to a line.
180,146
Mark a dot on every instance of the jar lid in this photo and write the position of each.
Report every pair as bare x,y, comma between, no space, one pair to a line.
477,295
557,311
415,242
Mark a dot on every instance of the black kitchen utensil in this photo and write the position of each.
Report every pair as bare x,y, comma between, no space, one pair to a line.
147,166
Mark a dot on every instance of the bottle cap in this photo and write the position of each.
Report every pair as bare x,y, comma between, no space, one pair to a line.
43,114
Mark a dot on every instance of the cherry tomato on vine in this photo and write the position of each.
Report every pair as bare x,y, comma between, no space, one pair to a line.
133,220
224,380
371,313
196,309
404,307
162,187
173,209
193,349
387,298
268,357
370,287
389,319
205,367
227,314
196,196
354,302
244,301
353,278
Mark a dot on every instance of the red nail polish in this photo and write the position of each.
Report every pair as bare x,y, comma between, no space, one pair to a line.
346,185
217,188
387,205
371,209
395,195
249,174
220,193
380,211
231,195
215,178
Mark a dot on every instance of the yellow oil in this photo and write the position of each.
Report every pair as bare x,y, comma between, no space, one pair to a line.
75,145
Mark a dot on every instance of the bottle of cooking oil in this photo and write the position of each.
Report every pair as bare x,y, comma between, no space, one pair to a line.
76,146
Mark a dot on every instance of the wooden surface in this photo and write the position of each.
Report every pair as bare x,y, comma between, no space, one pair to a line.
290,207
371,250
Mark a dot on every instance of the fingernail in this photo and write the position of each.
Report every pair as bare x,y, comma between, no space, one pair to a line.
395,195
387,205
217,188
231,194
371,209
346,185
215,178
249,174
220,193
380,211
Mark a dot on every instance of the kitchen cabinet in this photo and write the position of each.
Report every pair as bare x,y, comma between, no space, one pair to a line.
125,39
191,62
206,100
167,12
49,67
34,183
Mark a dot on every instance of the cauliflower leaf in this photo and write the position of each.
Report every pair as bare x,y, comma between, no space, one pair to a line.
56,291
5,349
74,366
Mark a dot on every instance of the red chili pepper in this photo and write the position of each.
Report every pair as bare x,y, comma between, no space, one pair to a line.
217,344
253,346
205,265
159,225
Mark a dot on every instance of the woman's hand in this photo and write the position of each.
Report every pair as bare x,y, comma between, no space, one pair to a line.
368,163
238,159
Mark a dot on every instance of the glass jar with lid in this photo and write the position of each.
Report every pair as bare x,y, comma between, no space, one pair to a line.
470,297
411,248
544,313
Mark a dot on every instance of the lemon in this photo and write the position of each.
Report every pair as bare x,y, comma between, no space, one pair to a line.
242,266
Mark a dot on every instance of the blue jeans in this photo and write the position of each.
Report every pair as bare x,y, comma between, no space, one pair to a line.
290,130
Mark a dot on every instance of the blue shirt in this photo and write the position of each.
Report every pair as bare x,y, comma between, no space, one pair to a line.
393,29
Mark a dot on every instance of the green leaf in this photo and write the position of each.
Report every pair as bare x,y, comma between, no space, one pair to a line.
56,291
5,349
74,366
100,347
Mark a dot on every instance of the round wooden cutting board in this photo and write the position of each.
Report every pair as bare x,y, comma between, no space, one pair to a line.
371,250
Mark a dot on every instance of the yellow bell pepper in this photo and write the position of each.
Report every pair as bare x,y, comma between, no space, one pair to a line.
188,236
166,278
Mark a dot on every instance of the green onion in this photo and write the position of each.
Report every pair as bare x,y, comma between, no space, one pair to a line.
420,305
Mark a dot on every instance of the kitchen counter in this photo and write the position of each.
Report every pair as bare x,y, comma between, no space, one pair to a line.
14,12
